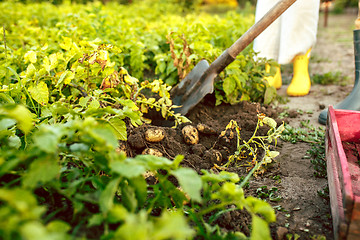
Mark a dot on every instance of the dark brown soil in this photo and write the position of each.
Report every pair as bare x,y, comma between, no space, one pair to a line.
300,209
302,216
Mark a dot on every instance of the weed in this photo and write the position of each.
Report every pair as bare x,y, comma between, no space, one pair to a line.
292,237
328,78
265,193
316,154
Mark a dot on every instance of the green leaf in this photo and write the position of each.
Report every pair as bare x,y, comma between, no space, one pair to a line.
6,98
105,135
95,220
6,123
40,93
128,197
127,170
172,225
117,213
120,128
21,114
190,182
140,186
106,200
41,171
14,141
258,206
229,85
58,226
94,104
46,141
270,94
260,229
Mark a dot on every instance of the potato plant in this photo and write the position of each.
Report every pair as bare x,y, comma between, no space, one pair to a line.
67,181
74,78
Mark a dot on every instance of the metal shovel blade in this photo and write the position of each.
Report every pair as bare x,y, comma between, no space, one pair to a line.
189,92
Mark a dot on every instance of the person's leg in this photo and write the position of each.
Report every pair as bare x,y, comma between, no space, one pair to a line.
266,45
352,101
297,37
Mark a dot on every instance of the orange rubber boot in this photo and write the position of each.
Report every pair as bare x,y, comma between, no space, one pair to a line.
300,84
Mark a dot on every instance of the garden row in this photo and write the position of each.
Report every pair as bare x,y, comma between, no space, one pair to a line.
74,79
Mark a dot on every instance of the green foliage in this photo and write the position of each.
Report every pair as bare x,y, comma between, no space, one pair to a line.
340,5
243,81
73,79
33,37
68,177
328,78
314,136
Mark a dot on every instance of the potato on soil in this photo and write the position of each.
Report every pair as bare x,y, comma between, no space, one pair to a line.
213,156
190,134
203,128
154,134
152,151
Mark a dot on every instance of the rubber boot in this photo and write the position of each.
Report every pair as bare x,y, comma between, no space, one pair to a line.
300,83
352,101
276,80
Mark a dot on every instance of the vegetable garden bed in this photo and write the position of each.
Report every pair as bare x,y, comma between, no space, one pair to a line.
78,86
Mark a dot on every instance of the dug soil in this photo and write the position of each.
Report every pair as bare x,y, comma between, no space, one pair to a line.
289,183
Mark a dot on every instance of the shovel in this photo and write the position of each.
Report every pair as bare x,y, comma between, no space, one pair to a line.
200,81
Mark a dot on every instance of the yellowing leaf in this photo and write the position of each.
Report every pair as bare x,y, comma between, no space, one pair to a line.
30,56
130,80
39,93
66,77
66,44
45,47
103,55
30,70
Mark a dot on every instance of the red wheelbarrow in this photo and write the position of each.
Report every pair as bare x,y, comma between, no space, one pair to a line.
342,142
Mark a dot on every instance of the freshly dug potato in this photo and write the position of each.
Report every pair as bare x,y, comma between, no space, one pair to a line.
154,134
203,128
190,135
152,151
213,156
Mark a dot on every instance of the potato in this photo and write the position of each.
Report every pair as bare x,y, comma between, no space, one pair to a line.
190,135
203,128
152,151
154,134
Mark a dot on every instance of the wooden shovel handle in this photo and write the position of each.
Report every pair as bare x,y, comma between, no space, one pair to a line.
259,27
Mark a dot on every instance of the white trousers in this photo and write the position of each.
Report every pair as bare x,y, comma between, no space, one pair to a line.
293,33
